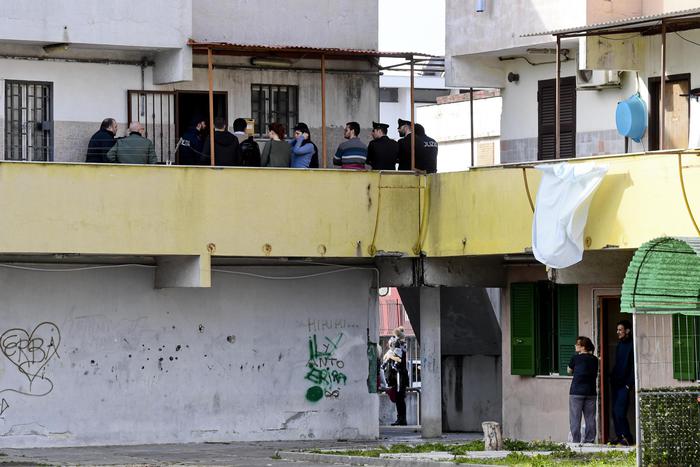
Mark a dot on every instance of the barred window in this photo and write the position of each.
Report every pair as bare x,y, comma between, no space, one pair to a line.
274,104
28,121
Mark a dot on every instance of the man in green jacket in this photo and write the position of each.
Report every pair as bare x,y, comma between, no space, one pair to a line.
134,149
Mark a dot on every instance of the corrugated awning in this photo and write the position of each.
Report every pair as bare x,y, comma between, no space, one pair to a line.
664,278
681,20
294,51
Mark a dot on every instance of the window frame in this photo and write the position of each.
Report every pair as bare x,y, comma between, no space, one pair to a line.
543,327
44,128
264,107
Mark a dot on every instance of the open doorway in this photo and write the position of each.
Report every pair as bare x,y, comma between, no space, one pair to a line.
195,104
676,114
609,316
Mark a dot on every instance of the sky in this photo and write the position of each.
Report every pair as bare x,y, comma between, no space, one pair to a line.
412,26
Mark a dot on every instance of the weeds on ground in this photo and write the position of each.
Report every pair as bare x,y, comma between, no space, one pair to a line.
565,458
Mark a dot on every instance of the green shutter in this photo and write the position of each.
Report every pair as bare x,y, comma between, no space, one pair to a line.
685,330
522,329
567,323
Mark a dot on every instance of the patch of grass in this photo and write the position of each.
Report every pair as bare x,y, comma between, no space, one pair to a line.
517,445
566,458
455,449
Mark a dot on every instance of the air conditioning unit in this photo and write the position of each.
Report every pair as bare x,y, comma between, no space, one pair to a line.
598,79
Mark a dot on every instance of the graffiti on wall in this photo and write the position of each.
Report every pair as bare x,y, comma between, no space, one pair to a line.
325,368
29,353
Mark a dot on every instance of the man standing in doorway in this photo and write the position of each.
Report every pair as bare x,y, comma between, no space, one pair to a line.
382,151
351,154
622,382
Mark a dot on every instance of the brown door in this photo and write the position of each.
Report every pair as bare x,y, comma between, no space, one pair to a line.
608,316
676,114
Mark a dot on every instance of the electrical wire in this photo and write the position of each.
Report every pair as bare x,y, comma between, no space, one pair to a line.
686,39
83,268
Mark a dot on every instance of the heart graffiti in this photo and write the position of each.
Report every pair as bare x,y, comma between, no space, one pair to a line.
30,352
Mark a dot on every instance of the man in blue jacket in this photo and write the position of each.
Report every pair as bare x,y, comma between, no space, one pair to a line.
622,382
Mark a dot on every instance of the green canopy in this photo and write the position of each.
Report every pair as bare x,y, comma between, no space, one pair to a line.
664,277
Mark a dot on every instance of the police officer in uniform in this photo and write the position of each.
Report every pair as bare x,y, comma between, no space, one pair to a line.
426,148
382,151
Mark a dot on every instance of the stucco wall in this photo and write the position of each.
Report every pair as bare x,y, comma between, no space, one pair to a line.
119,362
303,22
80,104
154,24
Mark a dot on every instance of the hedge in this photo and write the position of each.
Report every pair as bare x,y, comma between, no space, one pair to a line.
670,422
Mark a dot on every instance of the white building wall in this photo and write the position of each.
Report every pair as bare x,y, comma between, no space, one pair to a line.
116,361
81,104
153,24
302,22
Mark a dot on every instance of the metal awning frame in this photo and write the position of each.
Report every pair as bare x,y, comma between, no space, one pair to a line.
647,26
322,54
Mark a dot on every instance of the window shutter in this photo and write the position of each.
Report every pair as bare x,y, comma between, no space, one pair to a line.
685,330
546,118
523,303
567,323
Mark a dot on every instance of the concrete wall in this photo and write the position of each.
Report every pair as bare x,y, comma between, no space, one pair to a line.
80,105
502,24
305,22
116,361
154,24
471,391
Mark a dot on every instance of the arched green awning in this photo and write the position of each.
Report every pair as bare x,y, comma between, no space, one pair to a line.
664,277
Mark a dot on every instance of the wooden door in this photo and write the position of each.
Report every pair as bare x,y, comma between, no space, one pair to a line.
676,114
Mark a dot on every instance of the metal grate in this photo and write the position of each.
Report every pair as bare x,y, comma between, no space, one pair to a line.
28,121
155,110
274,104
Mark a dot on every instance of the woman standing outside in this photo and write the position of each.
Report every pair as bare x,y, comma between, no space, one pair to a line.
303,149
582,394
277,152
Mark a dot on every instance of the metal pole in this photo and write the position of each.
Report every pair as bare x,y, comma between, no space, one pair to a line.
210,72
323,109
638,427
662,88
557,103
471,121
413,119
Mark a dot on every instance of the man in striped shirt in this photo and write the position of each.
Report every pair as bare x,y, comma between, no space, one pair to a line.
351,154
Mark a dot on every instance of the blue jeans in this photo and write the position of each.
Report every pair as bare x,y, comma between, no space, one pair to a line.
621,398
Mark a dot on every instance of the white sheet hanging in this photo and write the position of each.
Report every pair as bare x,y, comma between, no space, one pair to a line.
561,211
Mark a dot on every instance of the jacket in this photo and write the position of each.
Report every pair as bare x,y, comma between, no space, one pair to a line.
100,143
191,148
250,151
276,154
426,153
303,152
134,149
227,150
383,153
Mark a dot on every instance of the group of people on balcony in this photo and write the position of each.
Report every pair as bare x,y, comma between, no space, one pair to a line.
240,149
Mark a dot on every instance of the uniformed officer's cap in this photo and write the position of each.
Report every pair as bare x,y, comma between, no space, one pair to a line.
403,122
380,126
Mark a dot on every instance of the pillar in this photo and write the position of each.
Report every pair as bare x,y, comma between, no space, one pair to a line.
431,376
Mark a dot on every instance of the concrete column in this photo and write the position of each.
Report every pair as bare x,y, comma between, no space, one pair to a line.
431,372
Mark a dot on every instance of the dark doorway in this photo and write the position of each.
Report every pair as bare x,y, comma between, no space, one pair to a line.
609,316
676,115
195,104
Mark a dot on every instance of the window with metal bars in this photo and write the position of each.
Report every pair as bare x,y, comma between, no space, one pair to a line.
271,103
28,121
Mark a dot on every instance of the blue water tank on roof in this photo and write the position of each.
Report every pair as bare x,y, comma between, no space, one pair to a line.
631,117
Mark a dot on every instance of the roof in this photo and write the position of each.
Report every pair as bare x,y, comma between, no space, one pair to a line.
664,277
680,20
296,51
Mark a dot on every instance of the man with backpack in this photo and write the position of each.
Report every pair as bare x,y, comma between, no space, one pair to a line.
250,151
